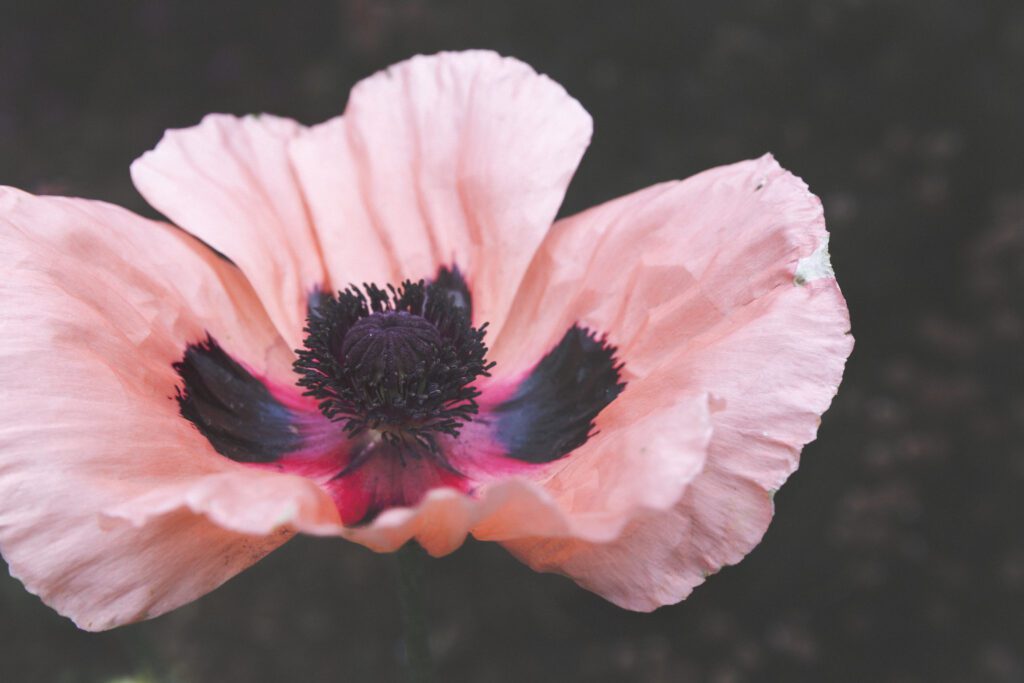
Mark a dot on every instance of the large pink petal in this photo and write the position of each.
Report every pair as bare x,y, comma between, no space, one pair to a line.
719,283
229,181
112,507
458,158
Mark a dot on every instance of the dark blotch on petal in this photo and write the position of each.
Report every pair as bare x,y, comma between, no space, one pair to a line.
553,410
233,409
454,286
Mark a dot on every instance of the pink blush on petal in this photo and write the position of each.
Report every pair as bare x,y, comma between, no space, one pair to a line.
385,482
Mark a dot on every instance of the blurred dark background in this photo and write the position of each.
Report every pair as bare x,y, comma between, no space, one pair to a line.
896,553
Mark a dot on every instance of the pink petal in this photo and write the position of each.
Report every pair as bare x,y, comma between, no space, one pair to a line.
459,158
229,182
113,508
616,475
661,556
641,458
720,284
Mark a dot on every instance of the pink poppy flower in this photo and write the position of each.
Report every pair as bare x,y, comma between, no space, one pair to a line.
613,397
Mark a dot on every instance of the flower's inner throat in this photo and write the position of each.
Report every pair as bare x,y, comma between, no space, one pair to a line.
398,361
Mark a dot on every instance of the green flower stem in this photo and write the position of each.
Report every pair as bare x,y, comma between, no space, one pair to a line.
419,666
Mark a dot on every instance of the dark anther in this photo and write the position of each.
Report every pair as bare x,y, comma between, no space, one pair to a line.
398,360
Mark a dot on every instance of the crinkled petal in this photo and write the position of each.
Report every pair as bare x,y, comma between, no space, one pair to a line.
229,182
259,504
714,284
458,158
661,555
97,305
442,520
593,498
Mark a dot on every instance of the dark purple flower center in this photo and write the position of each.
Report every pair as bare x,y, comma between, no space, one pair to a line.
400,361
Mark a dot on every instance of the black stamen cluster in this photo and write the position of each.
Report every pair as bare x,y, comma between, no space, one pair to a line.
398,360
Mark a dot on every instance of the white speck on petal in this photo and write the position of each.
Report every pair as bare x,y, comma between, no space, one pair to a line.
815,266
